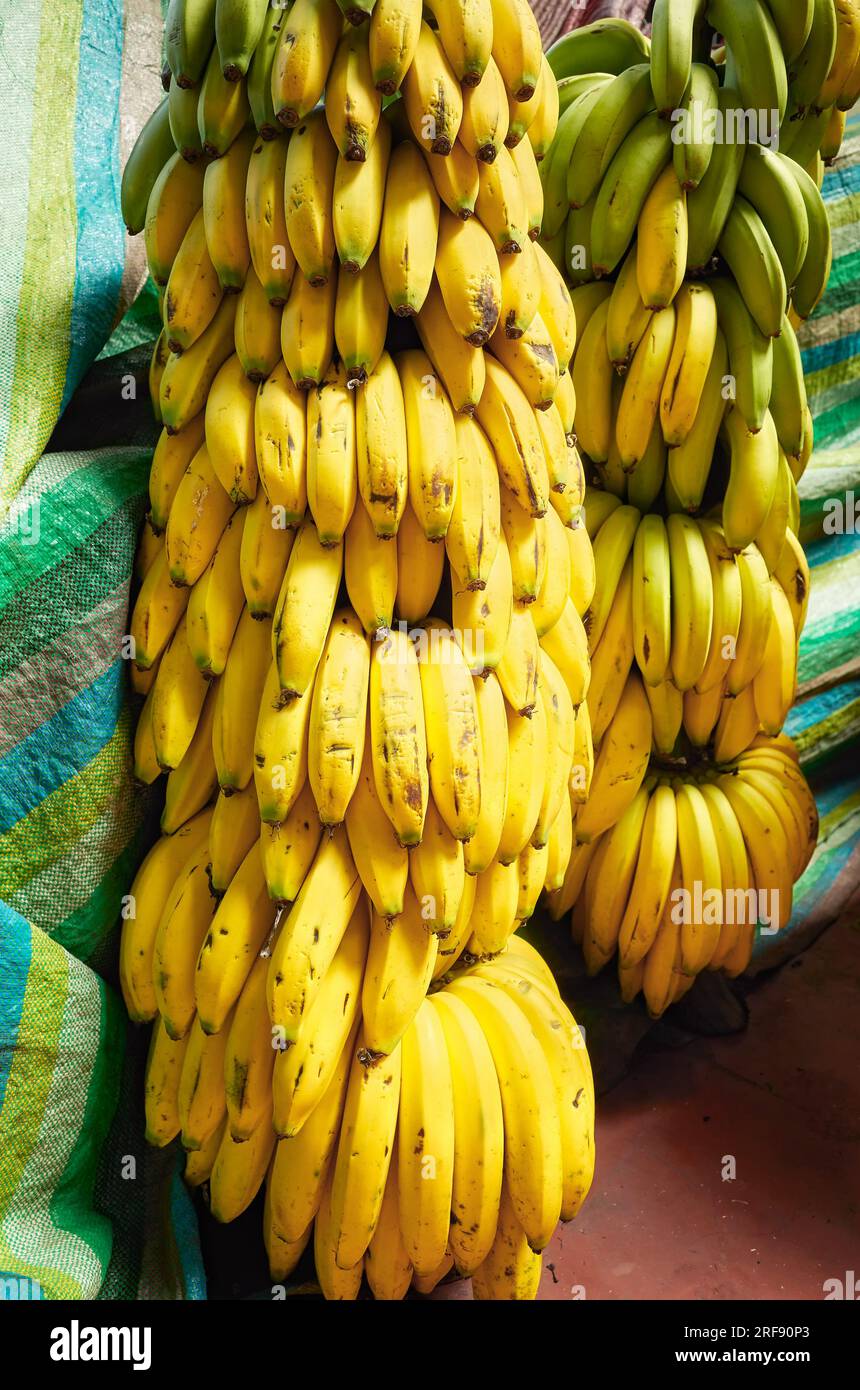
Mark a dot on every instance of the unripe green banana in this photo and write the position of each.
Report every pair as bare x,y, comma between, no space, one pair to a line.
238,26
152,149
189,33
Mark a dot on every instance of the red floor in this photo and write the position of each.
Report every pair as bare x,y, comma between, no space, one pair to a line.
783,1099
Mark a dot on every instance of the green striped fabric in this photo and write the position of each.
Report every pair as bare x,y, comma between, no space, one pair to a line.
84,1208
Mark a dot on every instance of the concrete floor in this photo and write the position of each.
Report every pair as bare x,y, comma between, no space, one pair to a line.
782,1100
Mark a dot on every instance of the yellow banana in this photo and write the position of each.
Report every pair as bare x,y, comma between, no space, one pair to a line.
753,477
558,710
620,765
289,847
699,854
438,874
184,922
425,1140
338,717
158,608
483,617
224,212
307,330
263,556
188,375
381,447
451,722
592,376
194,292
357,201
494,910
387,1263
230,432
627,319
305,607
352,103
266,221
554,591
646,899
222,109
258,330
726,584
239,1170
737,725
280,748
398,738
643,385
472,537
460,366
303,58
775,683
336,1284
364,1152
161,1086
332,480
567,645
518,669
511,1271
394,29
484,127
692,600
400,963
501,203
531,361
507,418
238,932
239,690
522,288
455,177
173,453
689,364
360,320
517,46
432,96
234,828
280,442
201,1099
176,198
249,1057
756,616
431,443
527,756
177,699
382,863
652,599
582,767
662,241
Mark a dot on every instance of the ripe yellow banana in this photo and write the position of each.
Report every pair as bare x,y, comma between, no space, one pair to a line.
643,385
507,419
357,201
460,366
364,1152
484,127
652,599
239,930
332,479
263,556
239,690
249,1057
501,203
517,46
303,58
661,258
224,186
522,290
398,738
176,198
726,584
202,1100
431,443
652,877
527,760
400,963
309,188
230,432
194,292
161,1086
177,700
266,221
173,453
393,38
338,717
258,330
337,1284
239,1170
289,847
305,607
753,477
775,683
432,96
620,765
692,600
370,571
158,608
188,375
280,747
483,617
381,447
425,1140
409,230
360,321
592,375
387,1263
185,920
234,828
382,863
352,103
756,617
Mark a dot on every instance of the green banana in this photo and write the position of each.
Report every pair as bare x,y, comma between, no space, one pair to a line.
152,149
750,255
788,398
578,266
626,185
260,73
673,29
608,45
569,88
708,205
620,104
750,354
809,71
695,130
812,280
793,20
222,110
554,168
753,46
189,33
767,184
238,26
182,115
805,137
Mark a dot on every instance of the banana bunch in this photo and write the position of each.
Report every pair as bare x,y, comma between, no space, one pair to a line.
704,858
711,632
459,1144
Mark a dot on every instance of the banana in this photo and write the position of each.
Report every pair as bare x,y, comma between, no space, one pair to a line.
652,593
431,444
555,168
525,537
559,463
381,447
766,842
238,26
238,931
472,538
507,419
459,365
531,361
230,437
556,310
188,375
489,704
737,726
543,123
288,848
624,189
260,73
620,765
455,177
303,58
395,26
364,1152
726,585
280,748
191,784
626,320
511,1270
265,552
845,56
307,331
652,877
771,538
692,600
409,231
201,1099
266,222
300,1170
812,65
750,255
152,149
336,1285
608,883
611,549
694,140
494,909
381,861
216,602
592,378
147,897
775,682
370,571
501,205
332,481
467,270
754,472
240,689
161,1087
610,45
766,182
234,828
321,1055
182,118
465,28
788,398
189,33
643,388
750,355
567,645
674,32
438,875
530,182
793,23
387,1263
533,1147
239,1170
357,201
709,204
559,847
451,722
352,103
175,200
517,46
400,963
527,752
249,1058
482,618
553,593
398,737
792,571
425,1136
420,567
309,190
194,291
222,110
158,608
757,59
479,1128
484,125
614,654
756,616
224,186
432,97
452,946
177,699
338,717
812,280
699,855
146,769
517,670
560,721
258,330
621,103
689,363
304,610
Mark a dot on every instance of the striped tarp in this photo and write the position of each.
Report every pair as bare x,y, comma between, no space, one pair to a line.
76,1216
